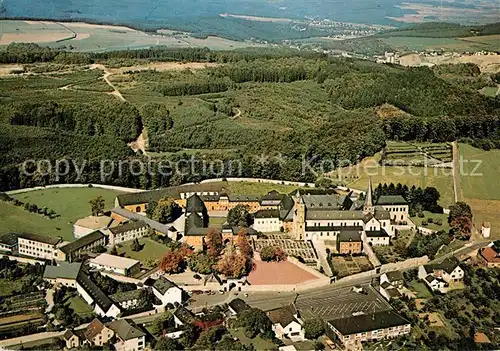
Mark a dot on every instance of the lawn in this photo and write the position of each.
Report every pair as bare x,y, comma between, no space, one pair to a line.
79,306
150,250
258,343
479,188
8,286
420,289
440,178
69,204
217,222
489,91
443,217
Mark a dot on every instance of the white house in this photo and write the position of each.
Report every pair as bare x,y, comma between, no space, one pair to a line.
267,221
38,246
485,229
439,276
130,230
396,205
64,274
90,224
395,278
389,291
166,291
129,336
287,323
102,304
115,264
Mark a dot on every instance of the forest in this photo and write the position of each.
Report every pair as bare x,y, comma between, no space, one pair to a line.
297,105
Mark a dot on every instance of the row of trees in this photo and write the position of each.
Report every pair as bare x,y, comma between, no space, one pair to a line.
33,208
418,199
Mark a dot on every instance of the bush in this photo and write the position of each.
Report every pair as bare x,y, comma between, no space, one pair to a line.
430,220
438,222
424,223
421,214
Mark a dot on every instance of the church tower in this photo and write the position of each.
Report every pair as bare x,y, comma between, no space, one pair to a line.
368,206
299,217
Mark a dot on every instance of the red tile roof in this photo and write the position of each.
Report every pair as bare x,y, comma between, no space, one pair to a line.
490,255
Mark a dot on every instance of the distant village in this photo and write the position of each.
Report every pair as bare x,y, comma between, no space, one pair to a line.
292,245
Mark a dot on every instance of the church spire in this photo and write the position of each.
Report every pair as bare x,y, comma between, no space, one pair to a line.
368,207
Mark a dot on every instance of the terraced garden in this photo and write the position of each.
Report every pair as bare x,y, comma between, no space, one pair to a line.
416,154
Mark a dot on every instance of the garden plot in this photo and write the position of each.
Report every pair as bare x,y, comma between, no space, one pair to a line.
416,154
299,249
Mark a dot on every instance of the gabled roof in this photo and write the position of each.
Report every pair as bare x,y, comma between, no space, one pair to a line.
381,214
184,315
105,259
131,225
283,315
147,196
322,202
272,197
349,235
194,225
40,238
99,297
377,233
195,204
238,305
368,322
391,200
244,198
448,265
490,255
93,329
340,215
394,276
125,329
386,284
94,222
82,242
266,214
65,270
159,227
163,285
334,228
68,334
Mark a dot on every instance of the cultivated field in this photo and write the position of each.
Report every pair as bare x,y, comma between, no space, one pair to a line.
92,37
69,204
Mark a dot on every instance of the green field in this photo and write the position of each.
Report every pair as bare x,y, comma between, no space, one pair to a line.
483,183
490,91
420,289
69,203
402,43
258,343
86,37
151,250
80,306
443,217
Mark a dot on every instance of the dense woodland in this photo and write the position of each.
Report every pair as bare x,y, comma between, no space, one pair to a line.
295,104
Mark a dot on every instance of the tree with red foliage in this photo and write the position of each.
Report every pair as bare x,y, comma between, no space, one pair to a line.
185,250
272,253
172,262
461,226
243,243
234,264
214,242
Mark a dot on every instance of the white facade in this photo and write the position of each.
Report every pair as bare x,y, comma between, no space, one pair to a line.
115,264
378,240
172,295
267,225
126,235
135,344
292,331
113,311
399,213
37,249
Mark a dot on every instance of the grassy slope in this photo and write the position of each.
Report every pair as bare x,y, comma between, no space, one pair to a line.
70,204
150,250
481,191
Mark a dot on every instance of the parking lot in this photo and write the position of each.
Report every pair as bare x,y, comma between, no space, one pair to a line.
290,247
340,302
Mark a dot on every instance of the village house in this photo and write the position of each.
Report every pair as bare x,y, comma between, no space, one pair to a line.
71,339
183,316
97,334
129,336
349,241
395,278
237,306
267,221
8,243
64,274
489,256
115,264
127,299
439,276
167,292
389,291
353,330
85,244
95,297
90,224
286,323
133,229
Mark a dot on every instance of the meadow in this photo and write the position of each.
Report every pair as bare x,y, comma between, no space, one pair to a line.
69,204
480,189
